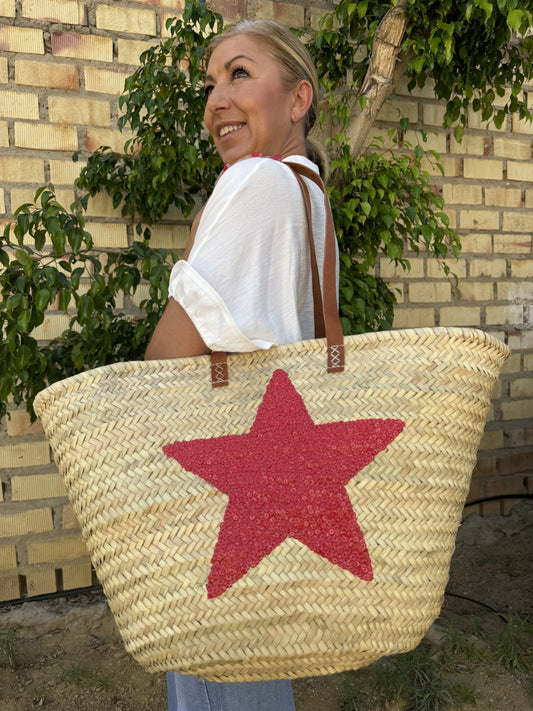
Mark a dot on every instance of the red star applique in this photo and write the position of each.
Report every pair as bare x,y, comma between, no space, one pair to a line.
286,477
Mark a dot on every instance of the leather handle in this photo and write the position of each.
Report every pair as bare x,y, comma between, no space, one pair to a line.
326,312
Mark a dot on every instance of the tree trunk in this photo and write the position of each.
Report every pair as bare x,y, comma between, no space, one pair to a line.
383,72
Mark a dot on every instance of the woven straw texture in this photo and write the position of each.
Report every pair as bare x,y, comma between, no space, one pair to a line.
151,526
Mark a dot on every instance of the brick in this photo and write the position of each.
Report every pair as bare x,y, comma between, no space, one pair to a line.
52,327
170,236
4,75
485,467
37,486
101,205
68,518
520,340
512,314
506,486
19,424
521,221
8,557
483,168
520,171
122,19
7,8
504,197
414,317
476,243
475,291
77,575
521,437
435,270
462,194
15,169
68,110
287,14
515,290
53,75
4,134
15,104
451,166
177,4
488,268
21,39
512,243
57,549
522,268
475,121
20,524
460,316
521,126
425,92
429,292
46,137
227,8
492,439
129,51
512,364
20,196
433,114
505,147
9,587
523,387
70,44
96,137
64,172
389,270
104,81
41,581
529,198
114,236
393,111
165,33
434,141
71,12
513,463
479,219
528,362
471,145
29,454
2,202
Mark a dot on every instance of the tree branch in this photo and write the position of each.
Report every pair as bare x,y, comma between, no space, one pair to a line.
381,77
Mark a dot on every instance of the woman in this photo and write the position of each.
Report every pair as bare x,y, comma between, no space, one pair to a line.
246,282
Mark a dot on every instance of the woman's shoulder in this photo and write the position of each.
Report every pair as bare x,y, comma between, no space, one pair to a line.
258,172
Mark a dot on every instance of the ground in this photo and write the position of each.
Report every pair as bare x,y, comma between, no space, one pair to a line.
67,655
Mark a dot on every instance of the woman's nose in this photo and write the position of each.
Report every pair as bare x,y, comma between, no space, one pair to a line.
217,98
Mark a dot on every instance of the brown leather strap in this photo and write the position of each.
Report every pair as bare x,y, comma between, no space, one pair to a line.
318,308
219,369
334,333
324,303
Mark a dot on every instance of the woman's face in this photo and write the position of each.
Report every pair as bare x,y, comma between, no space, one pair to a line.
248,109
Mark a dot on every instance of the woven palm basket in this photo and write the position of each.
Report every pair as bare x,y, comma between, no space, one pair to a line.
151,525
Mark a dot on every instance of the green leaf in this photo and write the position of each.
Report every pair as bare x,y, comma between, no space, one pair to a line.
514,19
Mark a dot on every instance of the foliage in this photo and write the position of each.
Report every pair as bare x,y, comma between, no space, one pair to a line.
479,53
515,644
170,161
7,647
61,266
383,202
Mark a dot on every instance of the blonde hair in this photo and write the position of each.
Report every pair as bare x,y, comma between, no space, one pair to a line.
296,64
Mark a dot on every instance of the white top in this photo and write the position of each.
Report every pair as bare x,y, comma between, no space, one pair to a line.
247,282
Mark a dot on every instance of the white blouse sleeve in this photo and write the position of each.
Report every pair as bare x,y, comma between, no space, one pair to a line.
247,277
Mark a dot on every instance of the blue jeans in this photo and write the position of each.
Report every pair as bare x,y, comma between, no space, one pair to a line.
187,693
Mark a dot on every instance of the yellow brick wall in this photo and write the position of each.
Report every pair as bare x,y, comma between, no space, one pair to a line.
62,68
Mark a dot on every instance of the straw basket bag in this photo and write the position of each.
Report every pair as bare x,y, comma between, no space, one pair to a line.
294,522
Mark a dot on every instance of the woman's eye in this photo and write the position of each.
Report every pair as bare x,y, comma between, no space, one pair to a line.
207,90
238,73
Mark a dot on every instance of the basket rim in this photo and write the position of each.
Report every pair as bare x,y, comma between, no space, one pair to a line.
374,338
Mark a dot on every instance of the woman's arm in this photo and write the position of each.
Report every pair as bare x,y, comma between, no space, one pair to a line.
175,336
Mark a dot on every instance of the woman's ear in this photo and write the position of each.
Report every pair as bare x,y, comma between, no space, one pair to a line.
303,97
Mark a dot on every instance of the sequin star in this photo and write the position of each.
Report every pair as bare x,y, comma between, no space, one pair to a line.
286,478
